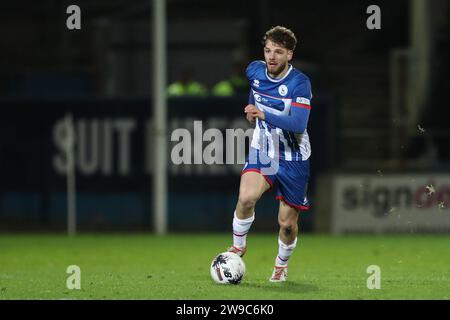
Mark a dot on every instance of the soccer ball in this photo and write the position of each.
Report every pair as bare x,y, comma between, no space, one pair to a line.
227,268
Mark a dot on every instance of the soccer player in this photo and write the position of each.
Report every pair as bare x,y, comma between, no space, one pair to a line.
279,104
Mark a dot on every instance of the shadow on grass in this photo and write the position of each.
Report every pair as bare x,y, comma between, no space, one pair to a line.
284,287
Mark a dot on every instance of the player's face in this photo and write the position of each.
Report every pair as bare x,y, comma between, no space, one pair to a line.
277,58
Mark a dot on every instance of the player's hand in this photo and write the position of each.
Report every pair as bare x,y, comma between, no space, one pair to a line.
254,112
250,118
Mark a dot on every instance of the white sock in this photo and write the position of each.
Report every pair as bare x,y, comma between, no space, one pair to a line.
240,229
284,252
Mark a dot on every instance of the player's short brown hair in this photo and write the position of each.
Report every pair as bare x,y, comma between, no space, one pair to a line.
282,36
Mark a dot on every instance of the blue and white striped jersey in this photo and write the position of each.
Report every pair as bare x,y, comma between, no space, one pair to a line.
278,97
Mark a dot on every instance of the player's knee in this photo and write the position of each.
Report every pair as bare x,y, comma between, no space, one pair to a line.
288,226
247,200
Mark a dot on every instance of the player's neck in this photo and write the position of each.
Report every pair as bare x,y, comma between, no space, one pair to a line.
281,74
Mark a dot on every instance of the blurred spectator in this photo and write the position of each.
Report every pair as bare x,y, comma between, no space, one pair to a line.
186,86
236,84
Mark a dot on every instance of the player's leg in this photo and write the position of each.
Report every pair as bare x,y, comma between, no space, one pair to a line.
288,221
292,188
253,184
287,240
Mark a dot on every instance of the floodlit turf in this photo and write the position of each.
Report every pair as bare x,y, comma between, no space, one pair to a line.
177,267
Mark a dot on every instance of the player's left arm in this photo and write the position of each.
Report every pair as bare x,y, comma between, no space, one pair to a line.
297,121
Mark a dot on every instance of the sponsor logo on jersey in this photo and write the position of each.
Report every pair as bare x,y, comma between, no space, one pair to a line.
282,90
258,97
256,83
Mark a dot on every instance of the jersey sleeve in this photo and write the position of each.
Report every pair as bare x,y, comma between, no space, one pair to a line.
252,68
250,73
251,98
302,94
297,120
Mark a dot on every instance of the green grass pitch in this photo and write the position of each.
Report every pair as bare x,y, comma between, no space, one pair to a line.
177,267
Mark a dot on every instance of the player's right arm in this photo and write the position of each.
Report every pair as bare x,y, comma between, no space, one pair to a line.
250,73
251,102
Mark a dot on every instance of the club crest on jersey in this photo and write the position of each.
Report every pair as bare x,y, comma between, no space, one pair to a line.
256,83
282,90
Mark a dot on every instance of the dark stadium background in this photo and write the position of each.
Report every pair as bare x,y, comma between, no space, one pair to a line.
102,74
